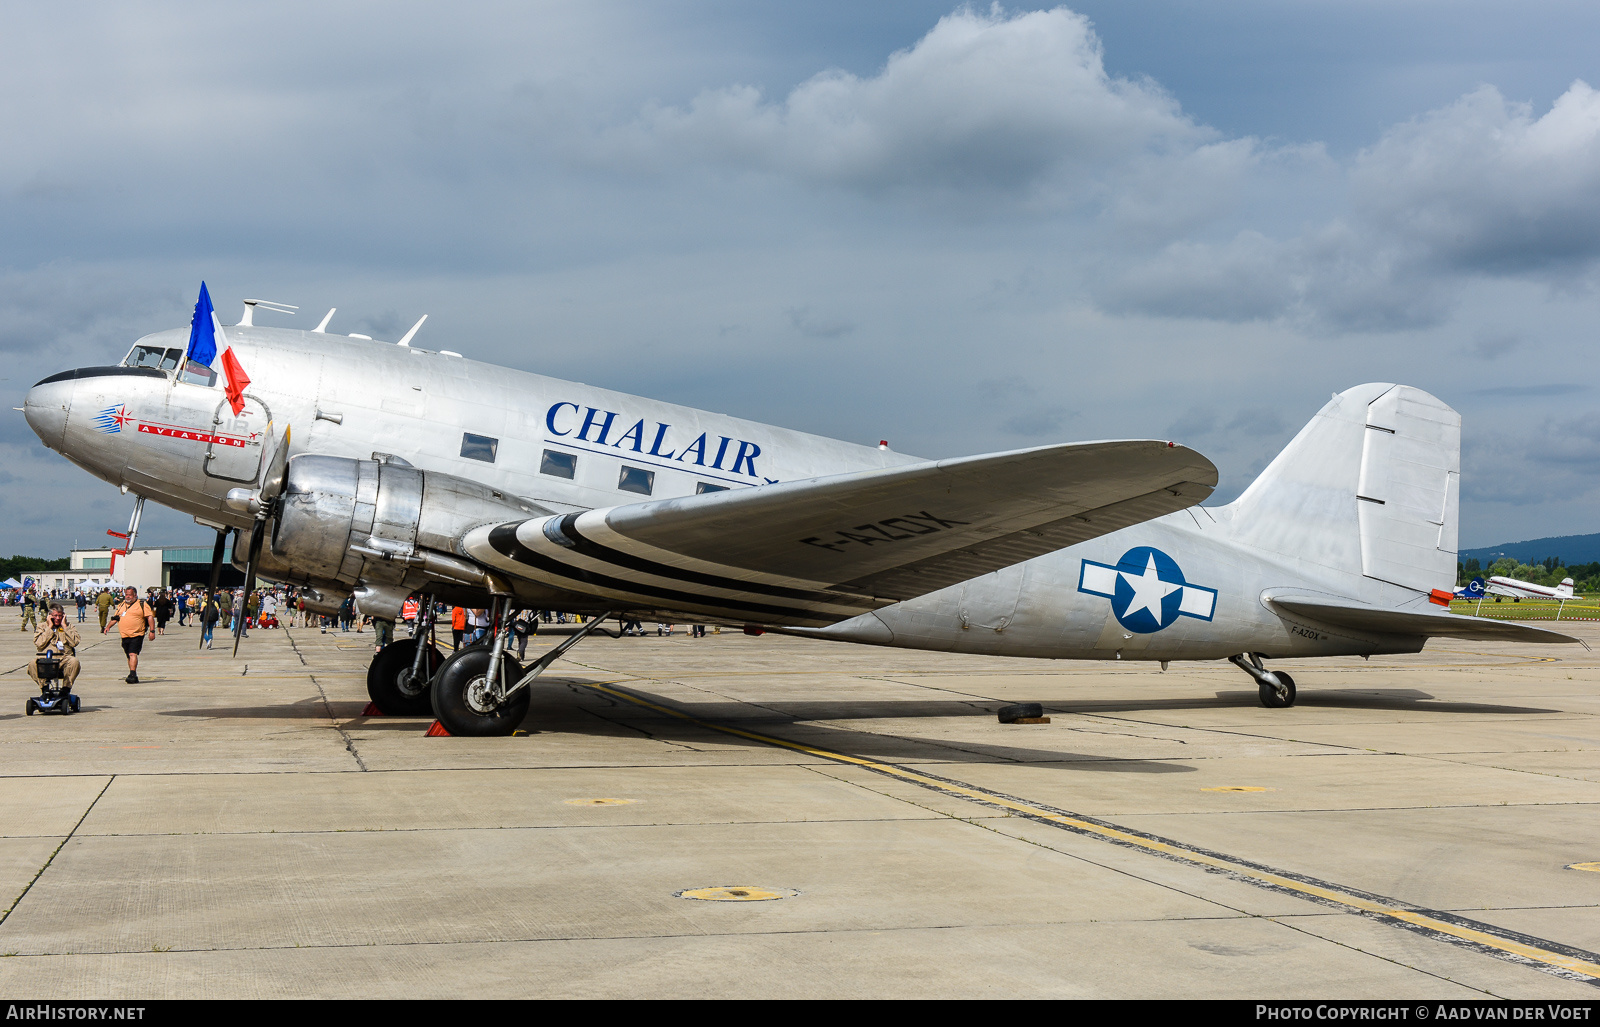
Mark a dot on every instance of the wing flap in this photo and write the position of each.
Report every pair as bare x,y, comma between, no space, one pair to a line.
1378,620
817,551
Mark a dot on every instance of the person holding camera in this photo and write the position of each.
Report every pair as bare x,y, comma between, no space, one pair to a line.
58,638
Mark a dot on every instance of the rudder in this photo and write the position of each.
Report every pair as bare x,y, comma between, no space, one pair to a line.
1370,486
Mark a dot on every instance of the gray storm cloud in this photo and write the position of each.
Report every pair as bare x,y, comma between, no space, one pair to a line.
1481,188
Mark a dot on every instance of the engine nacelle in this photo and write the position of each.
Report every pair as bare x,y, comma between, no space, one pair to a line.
380,529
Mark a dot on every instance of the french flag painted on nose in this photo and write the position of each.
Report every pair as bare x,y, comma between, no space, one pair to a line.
204,332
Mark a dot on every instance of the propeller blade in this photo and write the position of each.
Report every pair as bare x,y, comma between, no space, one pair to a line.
216,573
257,533
276,473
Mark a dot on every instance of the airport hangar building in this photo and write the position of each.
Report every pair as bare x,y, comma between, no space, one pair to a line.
145,567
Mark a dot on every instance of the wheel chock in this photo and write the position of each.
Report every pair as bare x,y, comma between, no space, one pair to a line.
1023,713
371,710
437,730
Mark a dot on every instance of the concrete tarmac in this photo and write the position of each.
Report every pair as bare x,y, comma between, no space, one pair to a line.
236,828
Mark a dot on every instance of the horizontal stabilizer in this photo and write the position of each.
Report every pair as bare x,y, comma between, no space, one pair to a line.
1387,621
818,551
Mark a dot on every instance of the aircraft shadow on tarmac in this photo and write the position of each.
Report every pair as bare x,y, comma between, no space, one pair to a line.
568,706
1386,699
572,709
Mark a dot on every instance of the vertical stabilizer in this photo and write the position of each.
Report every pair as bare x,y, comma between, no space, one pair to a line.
1371,486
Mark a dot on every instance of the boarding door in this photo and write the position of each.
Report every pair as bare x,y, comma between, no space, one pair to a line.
233,451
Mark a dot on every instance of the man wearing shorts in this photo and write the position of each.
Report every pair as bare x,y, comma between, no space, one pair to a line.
133,619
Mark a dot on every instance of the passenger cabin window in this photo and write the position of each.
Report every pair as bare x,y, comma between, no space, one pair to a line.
701,488
479,447
560,465
153,356
637,479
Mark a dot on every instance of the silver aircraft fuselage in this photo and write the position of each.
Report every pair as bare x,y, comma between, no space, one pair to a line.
565,446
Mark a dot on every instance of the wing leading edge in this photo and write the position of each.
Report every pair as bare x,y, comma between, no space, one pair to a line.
814,552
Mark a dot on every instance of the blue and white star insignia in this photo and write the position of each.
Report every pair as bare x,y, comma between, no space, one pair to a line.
1147,590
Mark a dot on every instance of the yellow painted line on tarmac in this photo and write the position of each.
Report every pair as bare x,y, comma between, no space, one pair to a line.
1550,957
1584,866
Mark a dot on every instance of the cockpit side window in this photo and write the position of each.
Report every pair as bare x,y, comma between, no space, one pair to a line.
196,373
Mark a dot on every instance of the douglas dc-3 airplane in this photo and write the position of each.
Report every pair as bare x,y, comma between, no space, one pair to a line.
386,470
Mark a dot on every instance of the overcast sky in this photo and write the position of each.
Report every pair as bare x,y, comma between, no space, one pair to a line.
962,229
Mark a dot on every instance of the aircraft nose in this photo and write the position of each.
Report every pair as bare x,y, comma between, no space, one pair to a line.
46,407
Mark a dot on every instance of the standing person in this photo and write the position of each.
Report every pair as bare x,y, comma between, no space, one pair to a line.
210,613
458,624
183,608
225,604
478,620
163,606
61,639
527,623
269,610
102,602
133,618
83,604
382,633
30,614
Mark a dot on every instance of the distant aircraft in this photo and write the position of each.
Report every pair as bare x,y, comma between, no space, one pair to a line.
388,471
1519,590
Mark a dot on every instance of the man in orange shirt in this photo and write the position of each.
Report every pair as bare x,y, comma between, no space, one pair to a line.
133,618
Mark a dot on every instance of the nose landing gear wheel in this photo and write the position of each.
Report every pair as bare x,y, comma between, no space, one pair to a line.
1272,699
464,703
390,684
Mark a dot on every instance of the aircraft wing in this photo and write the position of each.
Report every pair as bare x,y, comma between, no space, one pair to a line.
813,552
1386,621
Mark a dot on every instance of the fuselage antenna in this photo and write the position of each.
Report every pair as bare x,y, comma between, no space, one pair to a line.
322,326
250,310
405,340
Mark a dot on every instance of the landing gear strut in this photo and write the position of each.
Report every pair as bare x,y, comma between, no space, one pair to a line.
398,678
1277,687
483,690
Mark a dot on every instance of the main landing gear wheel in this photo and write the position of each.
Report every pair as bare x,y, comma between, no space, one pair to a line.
464,703
1272,698
390,684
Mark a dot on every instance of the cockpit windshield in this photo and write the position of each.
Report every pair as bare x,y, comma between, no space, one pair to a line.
165,359
153,356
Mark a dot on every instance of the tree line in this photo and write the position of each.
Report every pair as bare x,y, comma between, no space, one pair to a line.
16,566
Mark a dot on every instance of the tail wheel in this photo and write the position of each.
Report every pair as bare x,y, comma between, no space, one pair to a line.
390,682
464,703
1272,699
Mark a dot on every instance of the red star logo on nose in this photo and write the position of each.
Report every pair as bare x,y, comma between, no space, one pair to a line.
122,417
